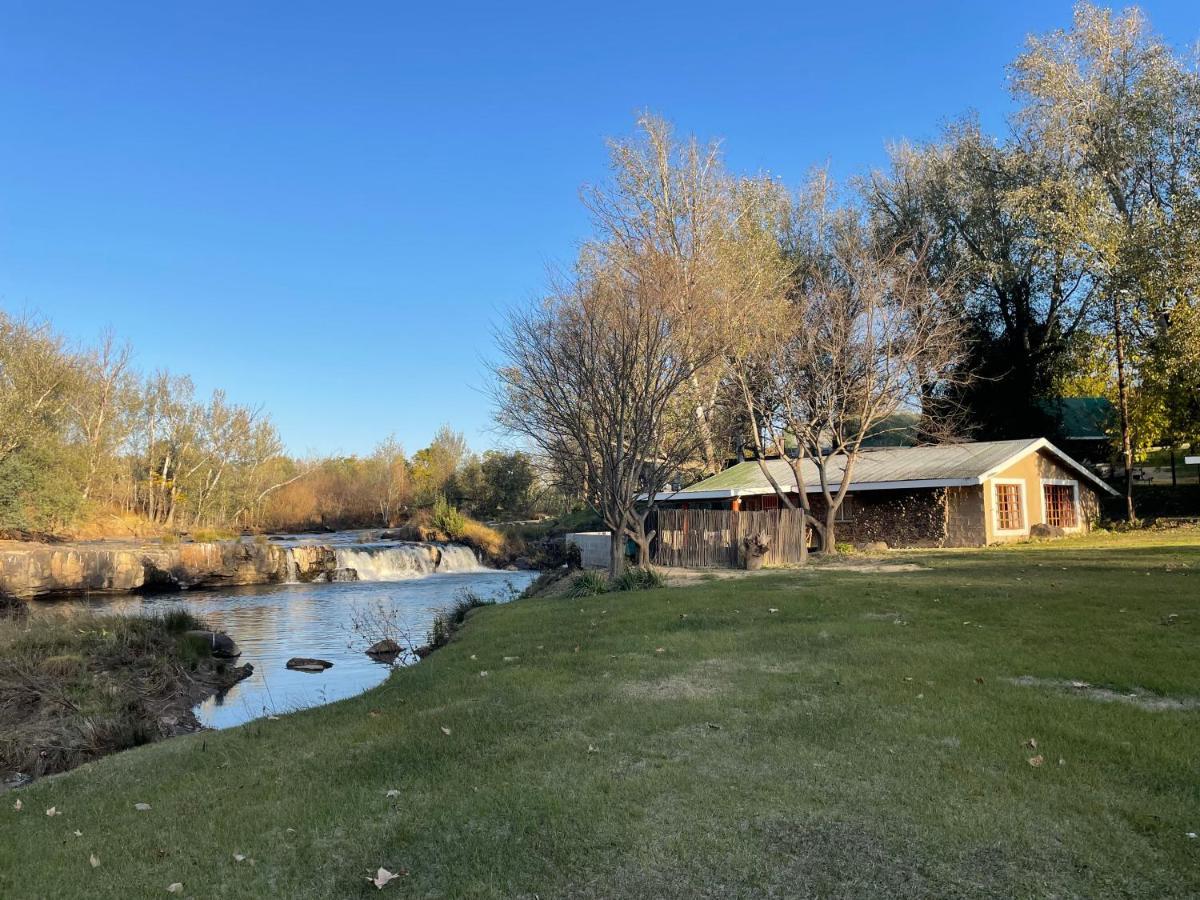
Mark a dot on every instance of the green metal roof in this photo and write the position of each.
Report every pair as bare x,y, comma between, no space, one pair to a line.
1081,418
887,467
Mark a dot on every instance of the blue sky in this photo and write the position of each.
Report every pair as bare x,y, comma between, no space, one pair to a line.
323,208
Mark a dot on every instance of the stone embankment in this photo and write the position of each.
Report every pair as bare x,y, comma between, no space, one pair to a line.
33,570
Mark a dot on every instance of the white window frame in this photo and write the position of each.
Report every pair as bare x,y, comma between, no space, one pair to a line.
1074,486
1024,529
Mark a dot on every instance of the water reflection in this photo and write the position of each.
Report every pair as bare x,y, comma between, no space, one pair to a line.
273,623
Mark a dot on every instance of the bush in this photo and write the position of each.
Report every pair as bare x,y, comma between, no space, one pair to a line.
209,535
448,520
587,583
447,621
169,539
638,578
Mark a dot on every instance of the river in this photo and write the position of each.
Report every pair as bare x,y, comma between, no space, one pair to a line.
275,622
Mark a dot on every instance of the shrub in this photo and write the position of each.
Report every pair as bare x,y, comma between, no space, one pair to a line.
638,578
587,583
208,535
447,519
447,621
169,539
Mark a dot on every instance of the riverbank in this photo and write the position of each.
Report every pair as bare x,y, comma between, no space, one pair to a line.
835,734
34,569
74,688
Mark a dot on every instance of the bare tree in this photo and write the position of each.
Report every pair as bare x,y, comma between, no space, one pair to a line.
869,339
592,377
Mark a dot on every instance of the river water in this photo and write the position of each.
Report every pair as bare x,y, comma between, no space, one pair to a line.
273,623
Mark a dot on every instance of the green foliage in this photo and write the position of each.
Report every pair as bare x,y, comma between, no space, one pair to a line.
448,519
638,578
587,583
38,488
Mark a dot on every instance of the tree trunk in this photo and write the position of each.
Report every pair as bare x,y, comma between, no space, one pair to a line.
829,538
616,554
1123,408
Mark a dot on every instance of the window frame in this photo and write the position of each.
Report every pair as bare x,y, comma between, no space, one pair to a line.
1074,486
1024,506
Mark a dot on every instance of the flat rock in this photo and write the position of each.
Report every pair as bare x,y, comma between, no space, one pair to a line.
307,664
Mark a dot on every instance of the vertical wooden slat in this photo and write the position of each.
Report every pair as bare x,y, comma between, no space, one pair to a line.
706,538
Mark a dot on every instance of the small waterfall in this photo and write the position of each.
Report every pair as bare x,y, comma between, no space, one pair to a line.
291,569
400,561
457,558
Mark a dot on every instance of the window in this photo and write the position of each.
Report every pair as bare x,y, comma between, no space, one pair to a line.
1060,504
845,512
1009,515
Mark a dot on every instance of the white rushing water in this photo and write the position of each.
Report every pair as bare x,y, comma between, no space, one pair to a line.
396,563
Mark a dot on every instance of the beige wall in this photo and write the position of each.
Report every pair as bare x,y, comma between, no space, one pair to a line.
1031,471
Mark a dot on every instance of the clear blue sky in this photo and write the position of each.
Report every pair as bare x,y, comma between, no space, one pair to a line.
322,207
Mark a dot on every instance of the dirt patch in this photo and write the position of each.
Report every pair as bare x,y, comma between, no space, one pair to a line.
862,565
703,680
1138,697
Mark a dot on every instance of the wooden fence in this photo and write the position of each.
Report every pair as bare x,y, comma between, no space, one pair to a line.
707,538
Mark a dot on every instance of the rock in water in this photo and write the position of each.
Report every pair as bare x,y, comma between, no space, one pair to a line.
219,643
305,664
385,648
343,575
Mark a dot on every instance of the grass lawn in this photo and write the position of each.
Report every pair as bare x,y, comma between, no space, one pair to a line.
821,733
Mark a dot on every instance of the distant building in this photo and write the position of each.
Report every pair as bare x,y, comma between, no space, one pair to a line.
1084,425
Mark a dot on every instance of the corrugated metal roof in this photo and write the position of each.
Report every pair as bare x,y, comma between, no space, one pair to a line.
941,463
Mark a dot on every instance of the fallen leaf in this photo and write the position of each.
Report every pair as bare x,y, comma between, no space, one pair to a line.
142,807
175,887
1031,743
1061,761
445,730
592,749
18,806
908,678
511,658
661,650
483,673
1192,835
78,833
383,876
978,680
772,609
94,860
1036,761
473,656
393,793
53,811
239,857
291,831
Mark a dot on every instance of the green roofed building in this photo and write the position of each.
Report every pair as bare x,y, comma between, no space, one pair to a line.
947,495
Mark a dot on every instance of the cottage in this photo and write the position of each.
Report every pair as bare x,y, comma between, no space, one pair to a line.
949,495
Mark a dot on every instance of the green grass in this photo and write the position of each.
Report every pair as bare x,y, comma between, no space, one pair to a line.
822,733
